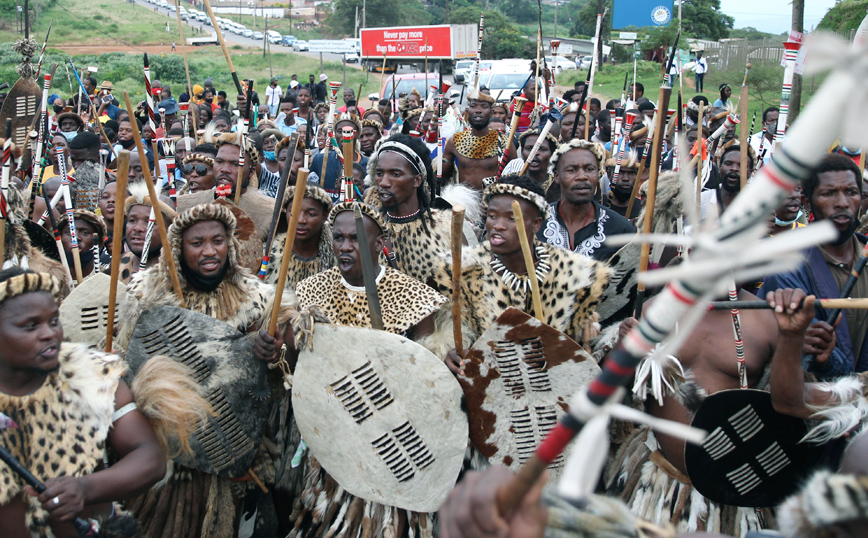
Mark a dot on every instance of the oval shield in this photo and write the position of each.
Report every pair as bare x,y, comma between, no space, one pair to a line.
84,313
382,415
752,455
519,377
222,362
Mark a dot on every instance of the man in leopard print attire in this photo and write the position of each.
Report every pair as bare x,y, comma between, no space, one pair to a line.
474,154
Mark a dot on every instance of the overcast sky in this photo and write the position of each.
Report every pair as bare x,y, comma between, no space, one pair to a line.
772,15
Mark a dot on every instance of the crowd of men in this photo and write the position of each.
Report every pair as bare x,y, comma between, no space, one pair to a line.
121,437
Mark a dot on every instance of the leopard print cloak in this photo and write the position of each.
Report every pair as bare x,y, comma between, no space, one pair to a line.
570,293
62,426
300,268
479,147
404,302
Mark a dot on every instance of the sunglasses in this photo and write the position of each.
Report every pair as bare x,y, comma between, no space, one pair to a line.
200,169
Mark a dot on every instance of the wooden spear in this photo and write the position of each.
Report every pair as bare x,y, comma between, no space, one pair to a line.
295,213
457,237
117,245
155,203
223,46
186,65
528,260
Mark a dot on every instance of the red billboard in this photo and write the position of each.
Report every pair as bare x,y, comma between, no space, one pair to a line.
407,42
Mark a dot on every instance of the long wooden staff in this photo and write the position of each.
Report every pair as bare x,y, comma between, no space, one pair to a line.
590,85
662,107
186,64
369,271
294,215
117,246
41,137
278,203
742,132
334,87
223,46
93,110
243,127
478,51
42,54
528,260
646,158
518,106
857,303
155,203
457,236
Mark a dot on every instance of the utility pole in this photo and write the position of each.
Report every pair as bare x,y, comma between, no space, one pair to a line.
557,3
796,93
364,12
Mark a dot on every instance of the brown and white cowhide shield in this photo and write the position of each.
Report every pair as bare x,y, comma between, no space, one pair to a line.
519,377
248,237
229,377
382,415
21,105
84,313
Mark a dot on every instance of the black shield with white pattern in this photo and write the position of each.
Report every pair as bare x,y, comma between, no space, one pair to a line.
752,455
222,362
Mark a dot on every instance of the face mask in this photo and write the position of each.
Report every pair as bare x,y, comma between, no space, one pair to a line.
779,222
127,144
209,100
58,109
269,156
70,136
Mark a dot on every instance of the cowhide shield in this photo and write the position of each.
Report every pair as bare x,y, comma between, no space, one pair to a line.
519,377
21,104
42,239
222,362
84,313
752,455
248,237
382,415
619,298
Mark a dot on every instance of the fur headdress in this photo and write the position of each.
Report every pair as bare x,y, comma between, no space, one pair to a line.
535,132
367,210
514,190
734,142
827,499
598,151
276,133
479,96
199,157
284,143
139,196
326,253
409,113
83,215
252,153
346,116
373,123
312,191
572,108
29,282
196,214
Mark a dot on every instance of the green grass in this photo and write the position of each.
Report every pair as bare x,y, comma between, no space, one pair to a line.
98,22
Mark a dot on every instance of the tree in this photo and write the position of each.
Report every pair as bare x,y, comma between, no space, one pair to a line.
379,13
586,20
705,19
501,38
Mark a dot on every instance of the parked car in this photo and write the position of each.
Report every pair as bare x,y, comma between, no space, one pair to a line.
584,62
502,84
288,40
462,71
353,57
560,63
258,35
300,45
249,33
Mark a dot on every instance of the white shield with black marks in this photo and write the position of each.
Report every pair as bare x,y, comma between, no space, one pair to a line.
84,313
519,377
382,415
229,377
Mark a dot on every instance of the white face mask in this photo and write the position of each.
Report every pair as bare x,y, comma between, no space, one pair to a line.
70,135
